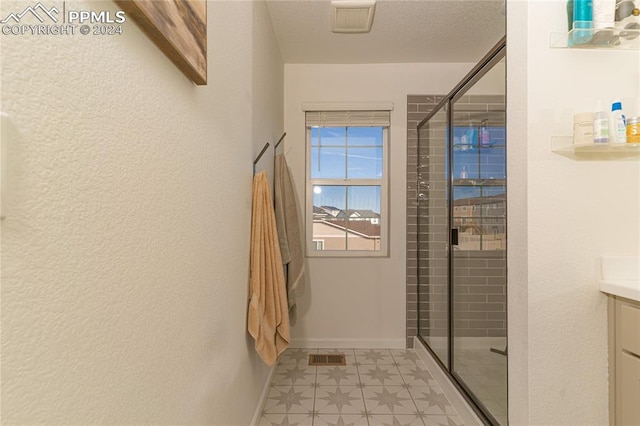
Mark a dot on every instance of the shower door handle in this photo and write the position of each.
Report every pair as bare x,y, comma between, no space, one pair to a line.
454,236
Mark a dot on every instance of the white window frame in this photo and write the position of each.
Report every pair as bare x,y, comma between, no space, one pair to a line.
318,243
384,197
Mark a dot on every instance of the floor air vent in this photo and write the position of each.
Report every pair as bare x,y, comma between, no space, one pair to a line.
327,359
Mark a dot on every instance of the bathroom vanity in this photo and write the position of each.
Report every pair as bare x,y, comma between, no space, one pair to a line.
621,282
624,361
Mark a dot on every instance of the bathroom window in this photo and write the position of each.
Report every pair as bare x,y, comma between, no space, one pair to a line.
347,183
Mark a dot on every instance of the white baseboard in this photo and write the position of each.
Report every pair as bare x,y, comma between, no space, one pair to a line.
350,343
467,415
257,414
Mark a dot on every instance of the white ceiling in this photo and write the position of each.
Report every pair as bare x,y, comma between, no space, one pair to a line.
403,31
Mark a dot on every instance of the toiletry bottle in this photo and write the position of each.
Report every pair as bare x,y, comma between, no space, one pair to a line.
582,18
583,128
484,134
617,124
463,173
633,130
600,125
569,15
604,13
471,137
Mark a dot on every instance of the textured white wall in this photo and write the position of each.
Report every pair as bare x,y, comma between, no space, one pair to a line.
360,300
125,248
574,213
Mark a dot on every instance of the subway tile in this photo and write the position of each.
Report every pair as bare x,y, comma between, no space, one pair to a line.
426,108
460,324
472,263
487,99
486,307
431,216
487,289
476,332
502,315
418,116
486,324
471,315
502,298
487,272
497,280
471,298
418,99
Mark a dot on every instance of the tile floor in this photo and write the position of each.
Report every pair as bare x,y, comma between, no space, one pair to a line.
376,387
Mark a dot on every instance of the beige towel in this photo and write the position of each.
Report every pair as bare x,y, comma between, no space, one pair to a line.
268,318
289,233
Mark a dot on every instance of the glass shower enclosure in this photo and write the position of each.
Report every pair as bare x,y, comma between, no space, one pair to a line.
462,236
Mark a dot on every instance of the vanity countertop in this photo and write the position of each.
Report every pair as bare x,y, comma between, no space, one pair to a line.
620,276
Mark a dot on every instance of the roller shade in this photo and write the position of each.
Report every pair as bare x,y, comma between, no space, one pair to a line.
347,118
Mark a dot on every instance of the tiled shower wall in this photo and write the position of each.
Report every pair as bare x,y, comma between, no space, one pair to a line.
480,309
417,108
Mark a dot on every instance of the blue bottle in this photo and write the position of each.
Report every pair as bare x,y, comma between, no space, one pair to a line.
582,18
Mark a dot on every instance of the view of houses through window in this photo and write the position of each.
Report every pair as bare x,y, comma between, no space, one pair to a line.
336,229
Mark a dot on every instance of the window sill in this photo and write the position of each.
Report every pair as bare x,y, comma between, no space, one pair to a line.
335,254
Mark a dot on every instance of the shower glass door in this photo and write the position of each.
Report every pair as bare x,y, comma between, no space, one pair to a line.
478,260
462,236
433,235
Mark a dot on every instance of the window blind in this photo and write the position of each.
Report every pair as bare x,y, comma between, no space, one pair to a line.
347,118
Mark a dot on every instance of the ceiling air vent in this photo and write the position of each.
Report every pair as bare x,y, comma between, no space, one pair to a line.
352,16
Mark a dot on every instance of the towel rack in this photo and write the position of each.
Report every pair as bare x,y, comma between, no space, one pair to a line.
255,162
279,141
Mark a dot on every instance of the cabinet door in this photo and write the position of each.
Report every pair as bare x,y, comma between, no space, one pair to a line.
628,389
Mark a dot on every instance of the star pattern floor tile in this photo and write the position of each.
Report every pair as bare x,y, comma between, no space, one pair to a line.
339,400
290,399
388,400
432,401
376,387
380,375
337,375
340,420
415,375
399,420
286,420
296,356
295,375
374,356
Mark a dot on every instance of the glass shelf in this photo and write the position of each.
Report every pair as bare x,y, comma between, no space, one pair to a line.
471,148
479,182
594,38
628,151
